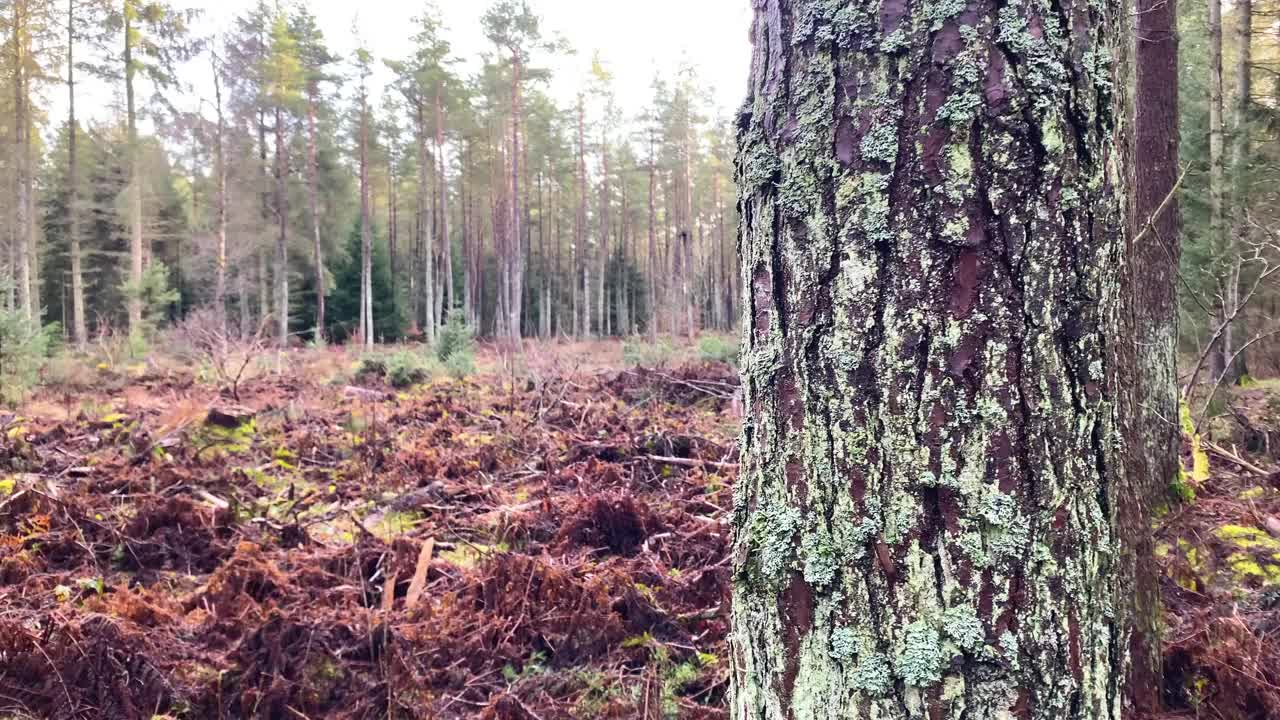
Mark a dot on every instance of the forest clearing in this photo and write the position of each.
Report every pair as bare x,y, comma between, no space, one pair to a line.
448,548
550,544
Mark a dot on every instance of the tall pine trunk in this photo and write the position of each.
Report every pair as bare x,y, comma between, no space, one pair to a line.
653,242
446,247
468,291
428,256
265,196
313,195
1240,155
933,215
686,235
282,230
135,176
78,325
602,250
1218,232
220,252
515,254
1154,255
581,244
366,231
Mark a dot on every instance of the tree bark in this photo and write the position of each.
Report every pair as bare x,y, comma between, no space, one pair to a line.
79,327
558,202
602,249
1240,154
653,242
515,254
933,222
581,244
282,236
1217,192
686,233
1152,276
446,247
428,256
313,193
265,195
468,307
366,238
220,252
135,174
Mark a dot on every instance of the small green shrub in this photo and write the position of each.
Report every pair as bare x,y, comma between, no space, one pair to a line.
456,347
718,348
372,367
400,369
407,368
156,297
24,347
460,364
640,352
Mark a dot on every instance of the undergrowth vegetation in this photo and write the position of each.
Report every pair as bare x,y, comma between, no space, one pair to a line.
460,550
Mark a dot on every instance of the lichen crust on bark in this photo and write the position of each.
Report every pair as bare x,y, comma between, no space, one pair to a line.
932,230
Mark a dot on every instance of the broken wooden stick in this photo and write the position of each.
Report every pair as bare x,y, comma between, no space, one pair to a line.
419,582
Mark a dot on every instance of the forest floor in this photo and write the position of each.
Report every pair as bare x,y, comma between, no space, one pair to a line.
533,545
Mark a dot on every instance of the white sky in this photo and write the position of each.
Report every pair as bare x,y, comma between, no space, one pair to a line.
635,40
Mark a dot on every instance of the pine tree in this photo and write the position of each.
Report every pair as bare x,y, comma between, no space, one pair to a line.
283,75
923,521
346,301
314,57
155,41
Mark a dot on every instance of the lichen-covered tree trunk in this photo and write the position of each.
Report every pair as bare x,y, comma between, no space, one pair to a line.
933,212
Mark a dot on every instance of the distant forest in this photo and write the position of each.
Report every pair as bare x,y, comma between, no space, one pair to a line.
295,203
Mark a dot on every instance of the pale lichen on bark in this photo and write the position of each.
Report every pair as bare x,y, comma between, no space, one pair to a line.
930,243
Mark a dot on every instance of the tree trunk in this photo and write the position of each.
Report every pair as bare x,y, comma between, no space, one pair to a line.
1240,155
282,236
393,247
602,249
79,327
1152,275
1219,236
544,262
624,300
428,256
653,243
515,255
135,176
313,193
264,287
686,235
242,290
923,522
582,222
366,238
446,248
468,309
265,194
558,201
220,252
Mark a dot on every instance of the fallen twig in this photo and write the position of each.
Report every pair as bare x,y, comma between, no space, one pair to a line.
689,462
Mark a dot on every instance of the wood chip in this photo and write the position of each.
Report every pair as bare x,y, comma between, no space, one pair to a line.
389,593
229,416
1272,524
419,582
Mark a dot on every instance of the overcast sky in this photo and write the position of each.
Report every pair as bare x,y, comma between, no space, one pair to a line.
635,39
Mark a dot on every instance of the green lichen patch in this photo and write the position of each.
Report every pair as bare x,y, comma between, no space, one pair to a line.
920,659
